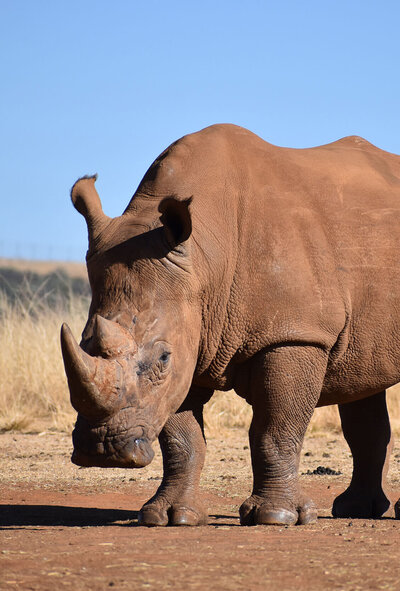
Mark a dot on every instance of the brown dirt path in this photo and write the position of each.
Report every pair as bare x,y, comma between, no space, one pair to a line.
65,527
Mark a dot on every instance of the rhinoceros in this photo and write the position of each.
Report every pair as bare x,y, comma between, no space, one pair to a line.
271,271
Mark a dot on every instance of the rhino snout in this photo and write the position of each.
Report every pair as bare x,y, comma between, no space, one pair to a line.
135,454
105,447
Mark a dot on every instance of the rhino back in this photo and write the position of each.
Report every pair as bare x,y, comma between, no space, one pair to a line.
289,246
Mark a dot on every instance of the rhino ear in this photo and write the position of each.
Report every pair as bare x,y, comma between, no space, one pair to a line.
86,200
176,218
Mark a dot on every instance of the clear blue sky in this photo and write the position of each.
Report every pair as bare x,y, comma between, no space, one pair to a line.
93,86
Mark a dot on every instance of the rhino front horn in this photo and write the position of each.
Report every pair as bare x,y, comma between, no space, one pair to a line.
94,383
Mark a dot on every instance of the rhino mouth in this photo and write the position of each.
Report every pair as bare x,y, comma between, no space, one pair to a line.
136,454
98,446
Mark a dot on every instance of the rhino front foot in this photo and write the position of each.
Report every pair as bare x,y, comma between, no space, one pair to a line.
259,511
183,448
162,513
357,503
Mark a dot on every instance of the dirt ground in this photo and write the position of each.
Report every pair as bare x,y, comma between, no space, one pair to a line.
67,527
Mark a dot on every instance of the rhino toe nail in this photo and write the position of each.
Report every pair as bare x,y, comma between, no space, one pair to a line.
274,517
151,518
184,516
306,517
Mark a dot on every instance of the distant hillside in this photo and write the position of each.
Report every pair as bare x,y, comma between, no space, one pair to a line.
45,267
45,283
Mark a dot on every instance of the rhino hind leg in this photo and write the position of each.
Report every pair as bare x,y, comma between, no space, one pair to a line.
366,428
285,387
183,448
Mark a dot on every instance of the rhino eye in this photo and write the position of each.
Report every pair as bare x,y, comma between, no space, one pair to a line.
165,356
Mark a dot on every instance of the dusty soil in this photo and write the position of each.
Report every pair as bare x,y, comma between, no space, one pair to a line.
63,526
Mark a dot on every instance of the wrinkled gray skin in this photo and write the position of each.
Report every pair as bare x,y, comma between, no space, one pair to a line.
241,265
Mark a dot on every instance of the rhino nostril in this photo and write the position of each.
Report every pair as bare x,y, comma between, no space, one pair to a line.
141,451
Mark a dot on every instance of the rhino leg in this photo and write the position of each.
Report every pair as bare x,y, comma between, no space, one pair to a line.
366,428
183,448
285,386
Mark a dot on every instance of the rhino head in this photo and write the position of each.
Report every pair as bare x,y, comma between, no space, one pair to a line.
138,352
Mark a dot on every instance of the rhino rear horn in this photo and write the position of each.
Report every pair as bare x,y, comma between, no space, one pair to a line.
111,338
94,382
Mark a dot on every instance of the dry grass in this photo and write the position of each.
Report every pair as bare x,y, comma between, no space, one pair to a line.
226,411
33,383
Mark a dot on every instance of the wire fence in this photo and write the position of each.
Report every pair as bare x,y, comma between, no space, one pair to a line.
46,252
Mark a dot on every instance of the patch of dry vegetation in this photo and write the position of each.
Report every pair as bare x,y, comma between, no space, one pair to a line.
226,411
33,383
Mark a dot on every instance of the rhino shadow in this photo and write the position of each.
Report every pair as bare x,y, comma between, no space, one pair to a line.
52,515
15,516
